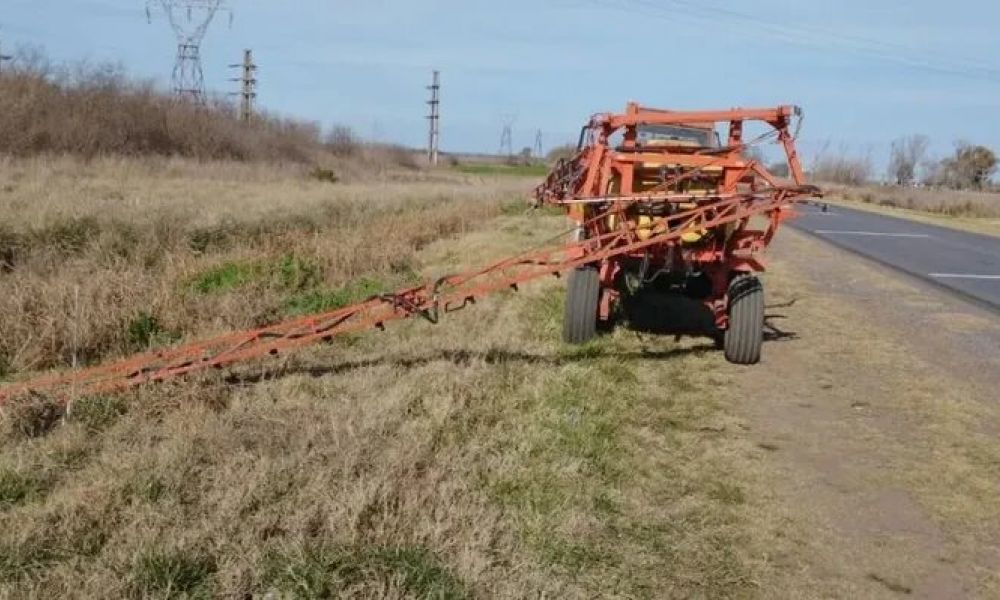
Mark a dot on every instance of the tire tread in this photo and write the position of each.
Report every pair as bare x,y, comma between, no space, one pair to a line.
745,335
582,296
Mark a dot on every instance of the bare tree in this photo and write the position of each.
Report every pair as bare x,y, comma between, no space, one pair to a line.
842,166
906,155
342,141
934,171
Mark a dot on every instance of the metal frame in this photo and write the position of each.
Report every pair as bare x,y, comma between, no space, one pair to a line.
602,179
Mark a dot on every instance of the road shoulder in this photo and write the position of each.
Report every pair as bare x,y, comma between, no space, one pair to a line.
981,225
877,410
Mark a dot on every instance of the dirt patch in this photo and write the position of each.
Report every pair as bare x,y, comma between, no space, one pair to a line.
877,413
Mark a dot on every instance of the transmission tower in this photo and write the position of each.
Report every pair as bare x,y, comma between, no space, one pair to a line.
434,135
507,136
248,85
538,144
190,20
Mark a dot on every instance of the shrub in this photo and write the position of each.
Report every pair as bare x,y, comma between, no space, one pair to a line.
98,111
145,331
98,412
324,175
341,141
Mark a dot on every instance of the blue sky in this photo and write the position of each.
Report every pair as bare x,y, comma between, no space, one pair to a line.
864,71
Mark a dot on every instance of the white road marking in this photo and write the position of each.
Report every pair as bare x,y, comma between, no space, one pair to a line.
872,233
961,276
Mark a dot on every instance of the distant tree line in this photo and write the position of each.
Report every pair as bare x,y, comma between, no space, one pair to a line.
971,166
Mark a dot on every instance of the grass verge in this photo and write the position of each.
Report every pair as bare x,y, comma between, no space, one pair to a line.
478,458
504,170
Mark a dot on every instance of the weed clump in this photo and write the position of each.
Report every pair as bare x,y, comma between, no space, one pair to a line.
324,175
289,272
226,277
171,573
34,417
326,300
323,571
146,331
98,412
17,488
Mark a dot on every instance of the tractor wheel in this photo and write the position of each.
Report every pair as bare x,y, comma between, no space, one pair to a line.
745,334
583,291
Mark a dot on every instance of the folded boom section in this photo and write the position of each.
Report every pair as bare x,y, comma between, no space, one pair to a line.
430,301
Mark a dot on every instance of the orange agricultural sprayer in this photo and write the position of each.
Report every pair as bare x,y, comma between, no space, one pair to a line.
660,205
639,174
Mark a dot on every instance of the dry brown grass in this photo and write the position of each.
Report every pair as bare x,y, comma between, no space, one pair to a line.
947,202
99,112
480,458
103,258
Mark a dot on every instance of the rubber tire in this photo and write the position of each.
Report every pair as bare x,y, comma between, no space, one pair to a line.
583,291
745,334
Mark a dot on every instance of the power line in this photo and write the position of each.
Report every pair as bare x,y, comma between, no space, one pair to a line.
248,85
807,36
434,119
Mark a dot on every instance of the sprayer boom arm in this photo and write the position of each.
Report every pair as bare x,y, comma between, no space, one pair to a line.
430,301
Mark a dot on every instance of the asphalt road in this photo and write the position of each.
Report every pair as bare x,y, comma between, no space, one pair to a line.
966,263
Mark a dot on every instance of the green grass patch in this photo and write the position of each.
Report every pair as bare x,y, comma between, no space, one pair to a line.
18,488
295,273
226,277
314,301
173,574
327,571
502,169
289,272
146,331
